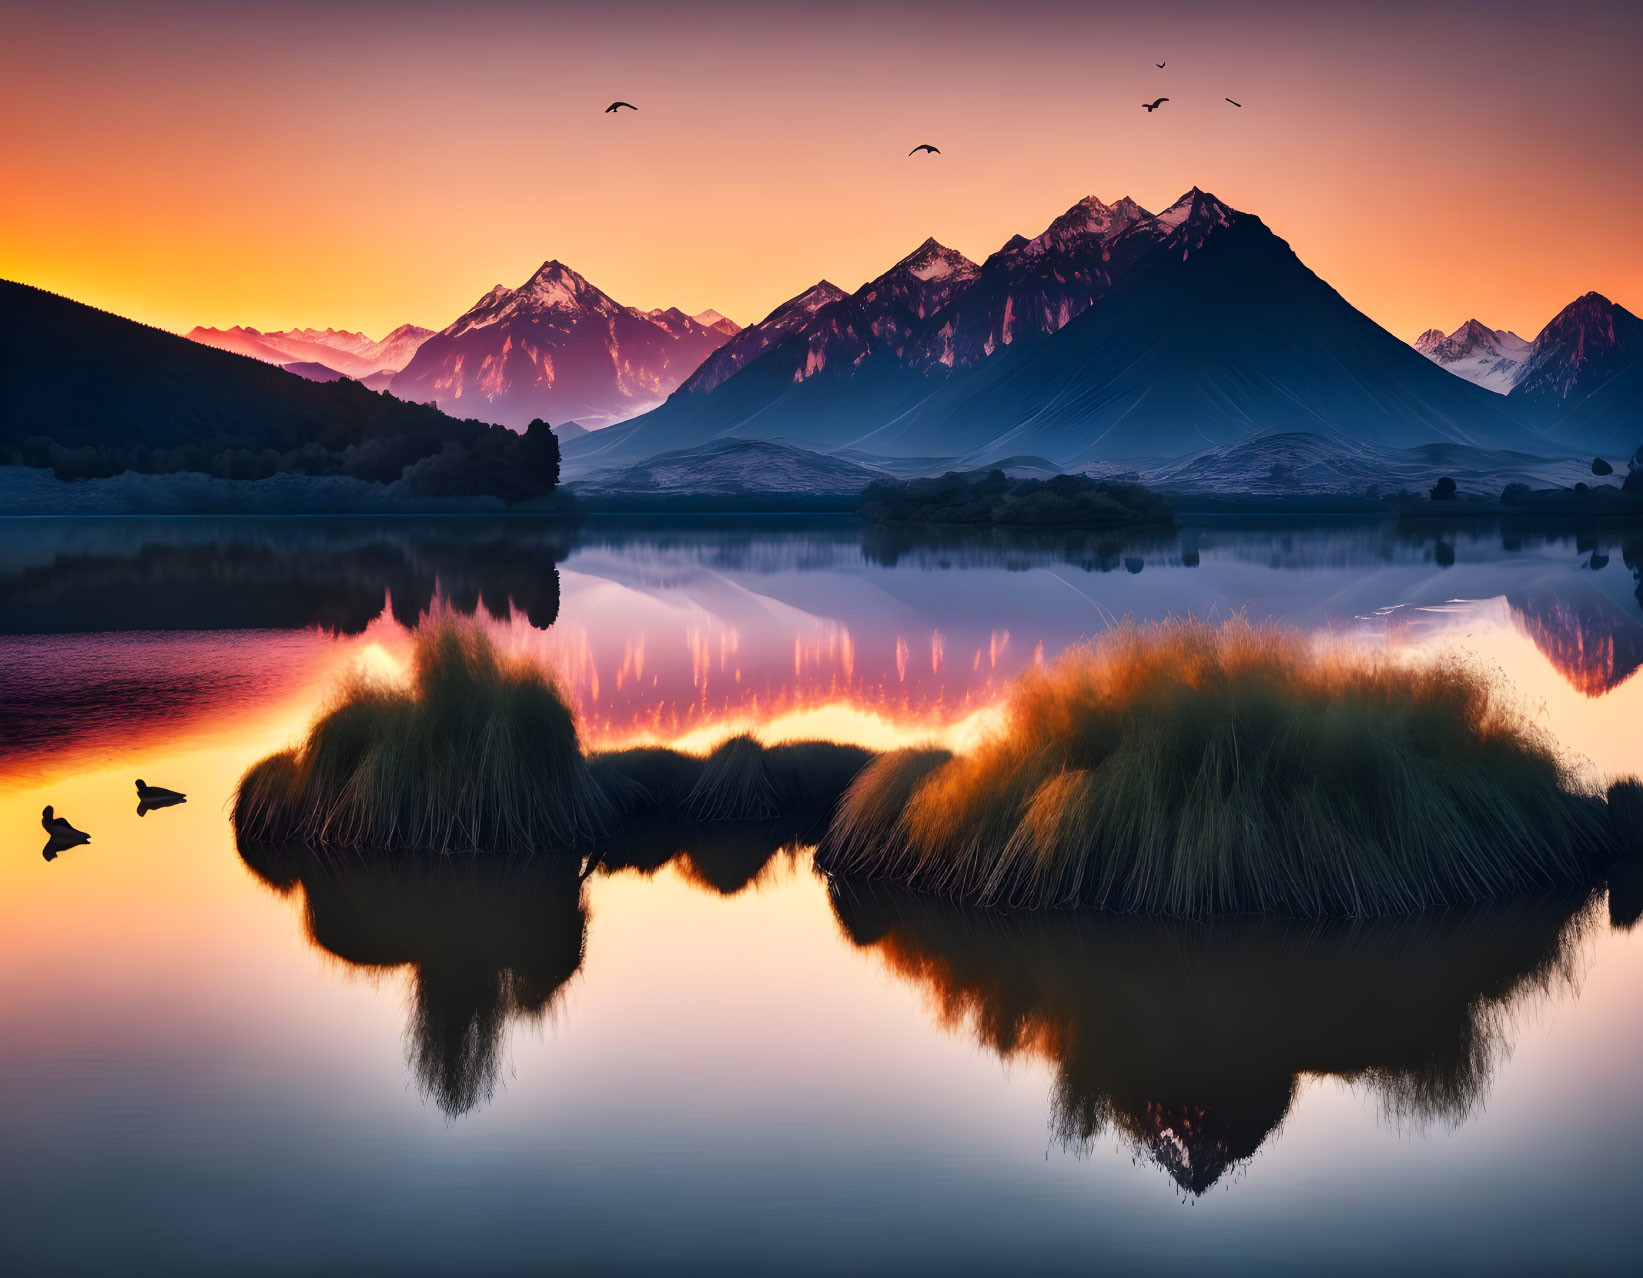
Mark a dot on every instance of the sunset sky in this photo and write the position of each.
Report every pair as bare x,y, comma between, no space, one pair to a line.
364,165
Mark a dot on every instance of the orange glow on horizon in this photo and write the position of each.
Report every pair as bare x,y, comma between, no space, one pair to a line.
221,165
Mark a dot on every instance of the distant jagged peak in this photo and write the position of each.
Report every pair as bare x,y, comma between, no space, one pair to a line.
1594,314
747,344
1088,219
406,332
324,336
710,317
668,316
556,287
821,293
1492,358
933,260
1589,333
1197,208
1592,322
499,293
487,310
1472,338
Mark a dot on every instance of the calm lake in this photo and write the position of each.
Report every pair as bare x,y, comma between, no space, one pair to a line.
710,1058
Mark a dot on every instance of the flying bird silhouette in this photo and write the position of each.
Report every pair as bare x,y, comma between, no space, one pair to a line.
614,106
925,146
60,830
1153,106
1159,65
1236,104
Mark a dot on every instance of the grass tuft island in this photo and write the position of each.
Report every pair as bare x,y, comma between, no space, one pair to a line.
1190,770
1178,769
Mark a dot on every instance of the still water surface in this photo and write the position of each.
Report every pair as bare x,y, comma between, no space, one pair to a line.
708,1059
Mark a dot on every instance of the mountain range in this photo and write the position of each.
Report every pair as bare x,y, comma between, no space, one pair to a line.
321,354
1116,333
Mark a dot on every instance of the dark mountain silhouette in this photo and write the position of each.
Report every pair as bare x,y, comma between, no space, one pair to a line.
1191,328
1582,382
91,394
557,348
1215,332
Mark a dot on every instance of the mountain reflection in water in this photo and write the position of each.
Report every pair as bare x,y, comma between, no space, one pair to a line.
1189,1040
119,631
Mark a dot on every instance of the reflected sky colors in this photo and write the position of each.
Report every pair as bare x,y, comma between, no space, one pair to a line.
701,1060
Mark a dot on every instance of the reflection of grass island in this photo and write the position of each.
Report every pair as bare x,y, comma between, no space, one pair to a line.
486,940
1190,770
1189,1040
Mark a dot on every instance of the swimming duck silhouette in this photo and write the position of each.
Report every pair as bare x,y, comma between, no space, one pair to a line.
60,830
150,797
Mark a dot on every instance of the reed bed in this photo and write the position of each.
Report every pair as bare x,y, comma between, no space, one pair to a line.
742,780
478,753
1191,770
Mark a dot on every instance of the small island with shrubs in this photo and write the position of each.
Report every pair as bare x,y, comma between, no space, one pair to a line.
1180,769
990,497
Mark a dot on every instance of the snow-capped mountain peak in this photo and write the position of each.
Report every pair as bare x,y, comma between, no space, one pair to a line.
1198,209
934,261
1088,219
1489,357
555,287
559,348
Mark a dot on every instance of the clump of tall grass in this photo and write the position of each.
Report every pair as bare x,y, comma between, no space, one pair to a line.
478,753
1191,770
